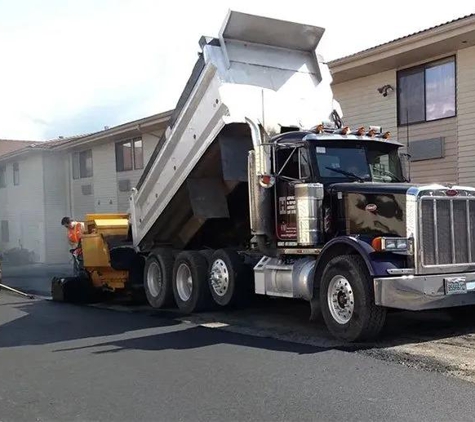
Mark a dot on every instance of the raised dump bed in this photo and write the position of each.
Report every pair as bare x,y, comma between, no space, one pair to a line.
193,190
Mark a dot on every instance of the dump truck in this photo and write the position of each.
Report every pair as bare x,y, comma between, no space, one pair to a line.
258,187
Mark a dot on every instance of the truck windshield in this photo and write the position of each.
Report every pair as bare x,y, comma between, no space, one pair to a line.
358,163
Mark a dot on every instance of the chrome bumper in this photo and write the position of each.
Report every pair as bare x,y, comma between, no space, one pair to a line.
419,292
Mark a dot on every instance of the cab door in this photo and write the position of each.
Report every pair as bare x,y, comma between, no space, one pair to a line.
292,167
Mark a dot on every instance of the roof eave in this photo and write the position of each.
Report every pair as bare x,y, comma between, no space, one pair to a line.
136,127
19,153
381,58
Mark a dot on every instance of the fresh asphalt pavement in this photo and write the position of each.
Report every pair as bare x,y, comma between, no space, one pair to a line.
66,362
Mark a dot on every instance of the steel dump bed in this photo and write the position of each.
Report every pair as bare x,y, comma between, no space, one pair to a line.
258,68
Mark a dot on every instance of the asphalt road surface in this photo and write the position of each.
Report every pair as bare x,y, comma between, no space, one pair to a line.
433,340
65,362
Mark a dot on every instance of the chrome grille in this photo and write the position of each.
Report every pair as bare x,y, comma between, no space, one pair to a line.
446,232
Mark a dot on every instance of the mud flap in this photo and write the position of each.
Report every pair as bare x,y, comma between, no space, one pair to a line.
315,310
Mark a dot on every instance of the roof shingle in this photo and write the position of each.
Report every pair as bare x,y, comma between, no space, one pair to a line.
11,145
402,38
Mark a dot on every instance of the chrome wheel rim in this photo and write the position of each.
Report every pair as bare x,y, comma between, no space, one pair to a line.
154,279
341,300
184,282
219,277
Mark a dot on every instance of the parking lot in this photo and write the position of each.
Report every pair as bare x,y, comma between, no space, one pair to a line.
431,340
67,362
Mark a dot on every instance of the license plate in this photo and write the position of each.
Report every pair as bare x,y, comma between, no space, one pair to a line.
455,285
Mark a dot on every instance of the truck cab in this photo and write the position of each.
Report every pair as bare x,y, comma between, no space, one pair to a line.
336,161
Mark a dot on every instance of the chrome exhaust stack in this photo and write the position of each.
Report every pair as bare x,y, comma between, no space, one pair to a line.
260,179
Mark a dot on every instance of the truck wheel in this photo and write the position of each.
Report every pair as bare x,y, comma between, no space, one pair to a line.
347,300
208,254
158,275
190,282
229,278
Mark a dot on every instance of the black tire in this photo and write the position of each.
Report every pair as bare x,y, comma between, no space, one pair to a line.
366,320
229,264
208,254
198,298
159,291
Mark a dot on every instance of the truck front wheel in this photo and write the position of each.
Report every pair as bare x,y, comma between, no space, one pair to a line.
158,274
347,300
190,282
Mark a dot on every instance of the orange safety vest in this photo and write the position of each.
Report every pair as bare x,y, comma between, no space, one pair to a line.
75,233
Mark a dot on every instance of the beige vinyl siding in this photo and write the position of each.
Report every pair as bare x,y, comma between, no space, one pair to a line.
106,196
363,105
23,207
56,207
466,115
4,207
105,186
441,170
149,141
81,204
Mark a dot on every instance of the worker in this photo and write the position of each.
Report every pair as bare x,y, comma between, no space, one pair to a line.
75,231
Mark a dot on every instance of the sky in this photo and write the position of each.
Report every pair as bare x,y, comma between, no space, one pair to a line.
70,67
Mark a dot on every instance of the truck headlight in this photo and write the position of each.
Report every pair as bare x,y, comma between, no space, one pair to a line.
391,244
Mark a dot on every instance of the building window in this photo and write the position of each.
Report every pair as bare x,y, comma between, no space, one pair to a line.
3,177
16,174
427,92
5,234
82,164
129,155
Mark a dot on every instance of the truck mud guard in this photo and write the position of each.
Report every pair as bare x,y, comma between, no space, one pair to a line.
349,244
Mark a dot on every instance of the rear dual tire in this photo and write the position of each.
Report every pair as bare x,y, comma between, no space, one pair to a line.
229,278
158,276
190,282
196,281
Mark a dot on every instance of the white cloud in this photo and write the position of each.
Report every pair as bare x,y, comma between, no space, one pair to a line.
62,61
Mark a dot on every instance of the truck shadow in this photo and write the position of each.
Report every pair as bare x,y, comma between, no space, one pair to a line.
196,338
39,322
401,328
272,325
300,337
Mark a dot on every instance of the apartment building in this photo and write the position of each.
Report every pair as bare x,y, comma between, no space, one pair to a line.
44,181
